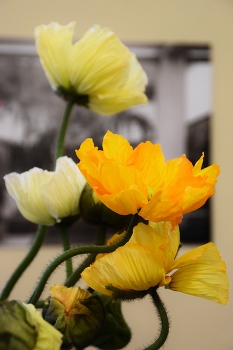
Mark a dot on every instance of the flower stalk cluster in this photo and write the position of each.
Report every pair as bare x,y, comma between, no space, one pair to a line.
135,191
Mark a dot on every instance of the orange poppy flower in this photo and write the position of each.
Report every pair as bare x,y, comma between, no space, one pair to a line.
139,180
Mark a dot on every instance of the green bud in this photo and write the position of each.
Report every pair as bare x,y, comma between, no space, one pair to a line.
93,211
76,313
22,327
115,333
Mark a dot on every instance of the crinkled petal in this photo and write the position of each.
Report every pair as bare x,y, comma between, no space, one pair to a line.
168,189
68,296
131,267
104,67
201,272
112,103
116,147
54,43
125,202
25,188
98,67
61,194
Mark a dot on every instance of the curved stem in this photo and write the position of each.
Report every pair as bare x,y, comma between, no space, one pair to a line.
62,131
164,321
75,276
66,246
95,249
25,262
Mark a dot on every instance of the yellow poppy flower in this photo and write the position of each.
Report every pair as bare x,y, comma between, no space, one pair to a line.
46,197
97,71
147,259
139,180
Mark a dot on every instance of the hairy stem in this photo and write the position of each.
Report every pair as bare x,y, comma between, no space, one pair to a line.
24,263
164,321
66,246
75,276
62,131
95,249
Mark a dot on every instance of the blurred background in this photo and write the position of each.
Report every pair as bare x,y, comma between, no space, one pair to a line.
177,116
186,48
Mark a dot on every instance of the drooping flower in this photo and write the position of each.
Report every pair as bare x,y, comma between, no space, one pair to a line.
22,327
46,197
139,180
147,259
97,71
76,313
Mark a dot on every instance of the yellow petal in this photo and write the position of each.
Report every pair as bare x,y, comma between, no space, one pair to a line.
201,272
53,43
149,159
68,296
98,67
160,191
116,147
129,268
103,68
138,265
125,202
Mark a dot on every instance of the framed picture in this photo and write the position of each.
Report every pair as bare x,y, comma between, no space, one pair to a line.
177,116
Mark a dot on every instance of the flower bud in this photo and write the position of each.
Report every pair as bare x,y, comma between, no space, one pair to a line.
22,327
94,211
76,313
48,197
115,333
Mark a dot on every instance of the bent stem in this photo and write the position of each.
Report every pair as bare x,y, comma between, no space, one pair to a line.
75,276
66,246
164,321
95,249
62,131
25,262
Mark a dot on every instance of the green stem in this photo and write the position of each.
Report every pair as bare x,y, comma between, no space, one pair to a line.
25,262
95,249
76,275
164,321
62,131
58,153
40,304
66,246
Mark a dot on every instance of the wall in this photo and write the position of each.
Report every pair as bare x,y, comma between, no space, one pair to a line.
196,324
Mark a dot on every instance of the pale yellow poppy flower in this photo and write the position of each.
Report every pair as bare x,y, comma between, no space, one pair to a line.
97,71
130,181
46,197
22,327
148,260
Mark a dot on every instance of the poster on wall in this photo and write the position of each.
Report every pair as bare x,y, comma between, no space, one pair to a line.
177,116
